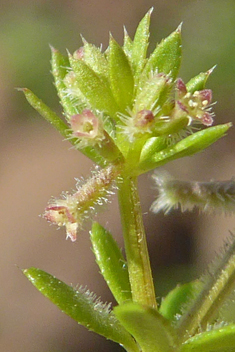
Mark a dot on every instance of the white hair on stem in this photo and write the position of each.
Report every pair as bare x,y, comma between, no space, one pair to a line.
210,197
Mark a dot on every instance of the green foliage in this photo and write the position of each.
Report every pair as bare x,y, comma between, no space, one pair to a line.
81,305
129,114
152,332
115,274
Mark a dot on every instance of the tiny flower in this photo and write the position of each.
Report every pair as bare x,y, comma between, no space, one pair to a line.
196,106
62,213
87,127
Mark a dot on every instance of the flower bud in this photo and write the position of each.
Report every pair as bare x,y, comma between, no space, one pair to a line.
79,53
137,124
143,118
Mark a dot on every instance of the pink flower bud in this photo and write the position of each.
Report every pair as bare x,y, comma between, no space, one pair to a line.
180,87
79,53
143,118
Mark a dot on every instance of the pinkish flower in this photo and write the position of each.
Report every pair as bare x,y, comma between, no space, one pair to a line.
60,213
196,106
87,127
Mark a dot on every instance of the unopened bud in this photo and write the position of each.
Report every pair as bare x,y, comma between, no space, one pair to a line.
79,53
144,118
137,124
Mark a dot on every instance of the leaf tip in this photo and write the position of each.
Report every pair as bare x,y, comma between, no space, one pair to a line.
209,72
179,28
53,50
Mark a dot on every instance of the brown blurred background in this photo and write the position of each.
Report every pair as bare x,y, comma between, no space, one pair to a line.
36,163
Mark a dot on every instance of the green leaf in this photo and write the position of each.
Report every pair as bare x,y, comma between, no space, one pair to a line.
82,306
127,46
198,82
152,146
173,304
152,332
94,58
95,90
166,58
140,44
60,68
218,340
60,125
111,262
153,94
186,147
46,112
121,78
169,128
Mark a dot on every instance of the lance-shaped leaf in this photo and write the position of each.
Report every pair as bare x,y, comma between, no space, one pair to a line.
218,340
166,58
82,306
94,58
152,332
198,82
153,94
186,147
127,45
121,78
46,112
60,68
94,88
140,44
152,146
60,125
173,304
111,262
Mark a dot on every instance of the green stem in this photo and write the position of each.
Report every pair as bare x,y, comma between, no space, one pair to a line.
135,243
218,285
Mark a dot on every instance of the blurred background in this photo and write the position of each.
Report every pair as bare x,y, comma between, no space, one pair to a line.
35,163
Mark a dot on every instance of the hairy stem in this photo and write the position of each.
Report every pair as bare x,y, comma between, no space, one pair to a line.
135,243
218,285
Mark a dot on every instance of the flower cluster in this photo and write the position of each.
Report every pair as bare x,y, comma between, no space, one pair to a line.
120,112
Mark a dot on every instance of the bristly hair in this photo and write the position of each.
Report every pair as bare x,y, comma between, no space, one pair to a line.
210,197
214,290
